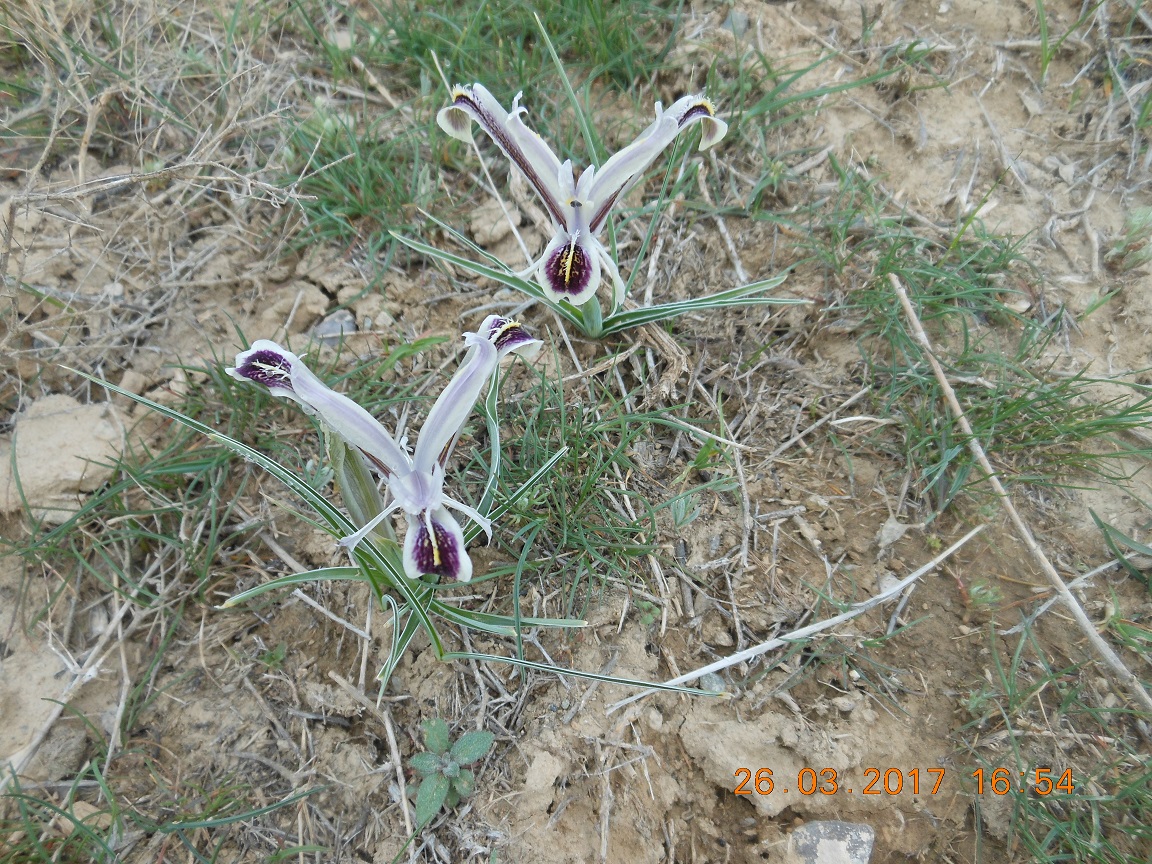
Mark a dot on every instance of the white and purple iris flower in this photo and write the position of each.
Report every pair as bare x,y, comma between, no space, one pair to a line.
570,267
434,543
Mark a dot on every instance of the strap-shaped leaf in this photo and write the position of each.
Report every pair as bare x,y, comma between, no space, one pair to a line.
324,574
560,670
744,295
503,276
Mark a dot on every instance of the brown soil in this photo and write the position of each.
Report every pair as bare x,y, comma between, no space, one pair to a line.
162,285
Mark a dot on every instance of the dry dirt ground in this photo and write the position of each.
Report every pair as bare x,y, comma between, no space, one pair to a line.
157,285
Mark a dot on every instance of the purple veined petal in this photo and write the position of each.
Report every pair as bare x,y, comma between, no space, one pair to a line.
509,337
523,147
621,172
350,421
698,109
269,365
455,402
435,544
570,268
284,374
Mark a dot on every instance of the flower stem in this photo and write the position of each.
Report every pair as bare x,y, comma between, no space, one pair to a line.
593,318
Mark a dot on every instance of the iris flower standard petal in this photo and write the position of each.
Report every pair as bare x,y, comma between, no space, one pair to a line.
572,264
435,541
285,375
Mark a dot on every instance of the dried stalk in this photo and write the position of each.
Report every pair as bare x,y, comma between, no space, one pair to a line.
804,632
1112,661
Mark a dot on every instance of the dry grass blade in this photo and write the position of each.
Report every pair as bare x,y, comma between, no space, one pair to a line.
811,629
1112,661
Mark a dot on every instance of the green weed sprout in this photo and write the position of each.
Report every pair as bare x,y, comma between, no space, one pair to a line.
445,779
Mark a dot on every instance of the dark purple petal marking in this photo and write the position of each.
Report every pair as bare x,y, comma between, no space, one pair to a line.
508,335
601,214
272,370
437,552
568,269
703,108
465,101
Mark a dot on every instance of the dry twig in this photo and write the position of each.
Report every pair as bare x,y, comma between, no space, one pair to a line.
1112,661
805,632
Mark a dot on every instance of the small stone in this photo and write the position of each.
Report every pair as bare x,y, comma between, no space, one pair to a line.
890,532
293,308
844,704
1031,104
490,225
886,581
712,683
133,382
333,329
737,22
830,842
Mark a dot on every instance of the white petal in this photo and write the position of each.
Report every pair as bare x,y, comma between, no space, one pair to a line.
621,172
455,403
698,109
570,268
510,337
350,421
618,286
353,540
284,374
473,514
268,365
523,147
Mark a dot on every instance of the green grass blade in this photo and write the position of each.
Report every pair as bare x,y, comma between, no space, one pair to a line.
473,530
591,141
337,520
744,295
504,277
503,624
324,574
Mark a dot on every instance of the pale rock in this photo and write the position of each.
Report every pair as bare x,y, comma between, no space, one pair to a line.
489,224
543,772
333,329
133,382
330,271
830,842
890,532
294,307
844,704
63,450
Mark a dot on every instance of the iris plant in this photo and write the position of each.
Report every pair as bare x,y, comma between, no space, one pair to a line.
434,542
571,265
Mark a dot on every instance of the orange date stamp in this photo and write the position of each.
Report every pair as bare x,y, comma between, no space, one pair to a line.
827,781
893,781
